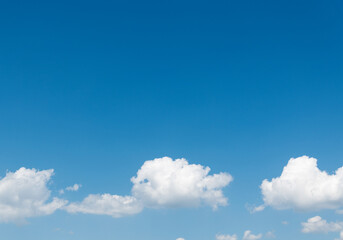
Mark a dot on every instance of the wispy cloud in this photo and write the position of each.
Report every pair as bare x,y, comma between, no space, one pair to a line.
249,236
226,237
72,188
254,209
107,204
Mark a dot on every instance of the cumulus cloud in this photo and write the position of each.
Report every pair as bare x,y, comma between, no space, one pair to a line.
164,182
302,186
106,204
180,239
319,225
249,236
226,237
25,194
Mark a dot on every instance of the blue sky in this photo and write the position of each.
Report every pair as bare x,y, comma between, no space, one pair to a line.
93,90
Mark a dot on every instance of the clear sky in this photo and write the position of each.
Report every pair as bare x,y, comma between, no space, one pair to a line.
93,90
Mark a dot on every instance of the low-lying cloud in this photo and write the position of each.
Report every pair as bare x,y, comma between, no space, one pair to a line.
303,186
318,225
161,183
24,194
107,204
164,182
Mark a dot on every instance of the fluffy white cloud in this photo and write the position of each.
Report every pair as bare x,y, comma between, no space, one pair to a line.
249,236
106,204
226,237
161,182
24,194
164,182
302,186
180,239
319,225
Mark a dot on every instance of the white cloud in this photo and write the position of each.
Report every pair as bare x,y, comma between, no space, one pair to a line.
161,182
180,239
74,188
302,186
254,209
340,236
246,236
164,182
319,225
249,236
106,204
259,208
226,237
24,194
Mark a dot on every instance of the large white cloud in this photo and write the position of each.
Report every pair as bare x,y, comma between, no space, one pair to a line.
161,182
302,186
25,194
226,237
107,204
164,182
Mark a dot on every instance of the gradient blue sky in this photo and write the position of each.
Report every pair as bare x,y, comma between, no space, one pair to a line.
94,89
